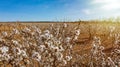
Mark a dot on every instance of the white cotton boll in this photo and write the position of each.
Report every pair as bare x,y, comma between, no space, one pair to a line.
49,44
39,31
51,35
42,48
4,33
32,33
77,32
97,40
95,37
52,25
70,46
28,62
17,50
6,57
46,51
4,49
103,62
61,48
102,48
16,31
15,42
59,56
117,42
42,36
76,37
64,62
23,53
36,56
68,58
26,29
112,28
58,42
55,48
93,45
46,31
47,35
65,25
117,51
111,62
68,39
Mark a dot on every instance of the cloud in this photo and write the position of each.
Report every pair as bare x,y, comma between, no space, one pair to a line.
103,9
86,11
107,4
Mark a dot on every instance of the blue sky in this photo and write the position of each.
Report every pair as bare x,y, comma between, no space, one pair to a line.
57,10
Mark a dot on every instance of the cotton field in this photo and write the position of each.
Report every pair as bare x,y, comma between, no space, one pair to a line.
60,45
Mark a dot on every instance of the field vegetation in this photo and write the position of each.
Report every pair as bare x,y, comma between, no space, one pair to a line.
65,44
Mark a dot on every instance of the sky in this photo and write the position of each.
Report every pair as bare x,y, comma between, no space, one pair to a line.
58,10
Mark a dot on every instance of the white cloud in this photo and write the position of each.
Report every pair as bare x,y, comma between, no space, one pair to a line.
104,8
107,4
86,11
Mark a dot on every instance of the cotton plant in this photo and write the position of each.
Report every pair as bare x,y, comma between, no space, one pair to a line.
16,31
95,45
4,49
36,56
53,44
49,47
112,28
100,59
26,29
77,33
4,33
111,63
97,56
4,55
